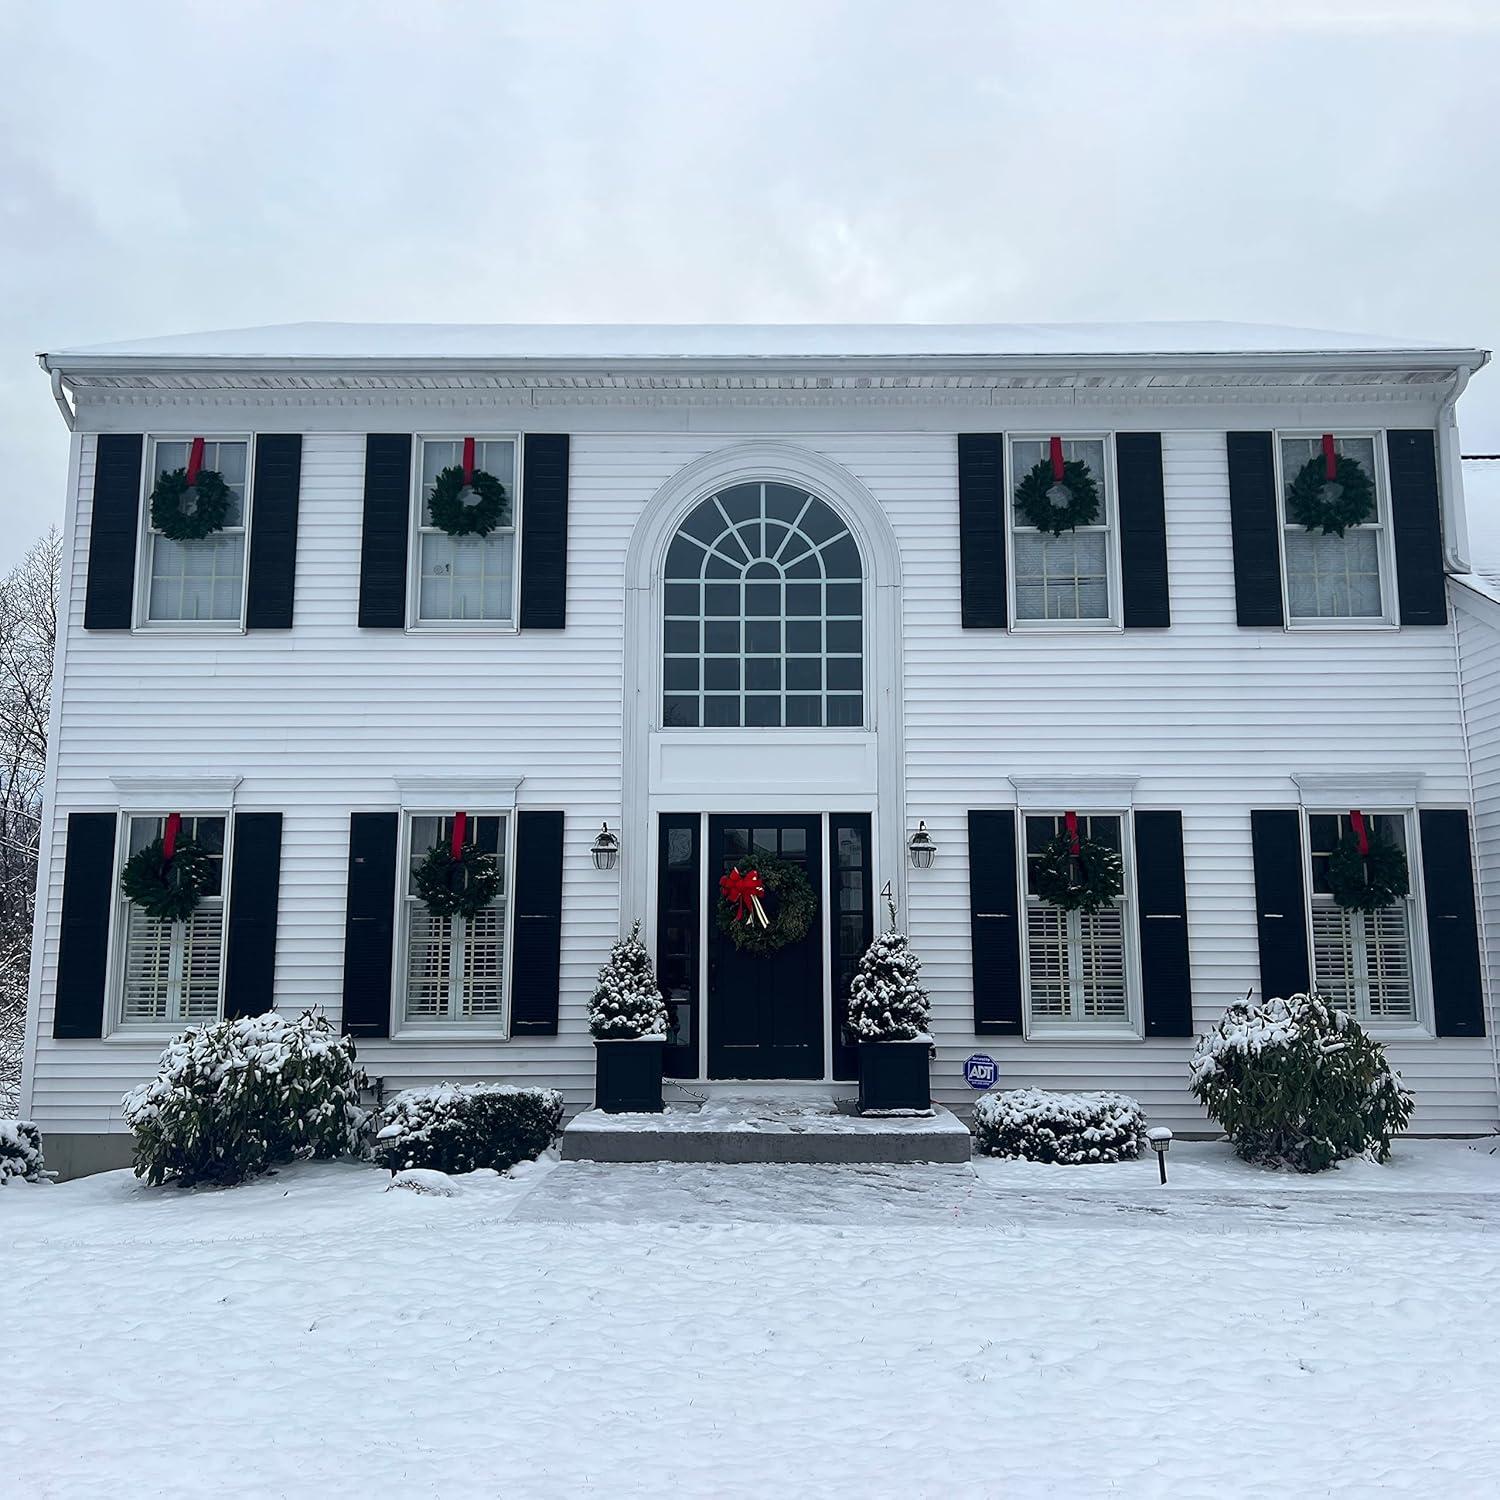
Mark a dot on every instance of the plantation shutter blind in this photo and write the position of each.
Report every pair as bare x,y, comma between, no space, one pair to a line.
109,590
369,918
981,530
1452,926
994,922
271,578
1416,525
254,893
83,948
1280,902
1143,531
536,957
1161,896
544,531
384,534
1255,526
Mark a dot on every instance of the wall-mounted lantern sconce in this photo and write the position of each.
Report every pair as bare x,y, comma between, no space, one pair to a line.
921,848
606,849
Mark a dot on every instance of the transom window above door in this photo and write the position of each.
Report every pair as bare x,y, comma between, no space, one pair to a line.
764,614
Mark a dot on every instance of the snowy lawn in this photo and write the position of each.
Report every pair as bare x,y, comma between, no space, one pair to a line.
1003,1329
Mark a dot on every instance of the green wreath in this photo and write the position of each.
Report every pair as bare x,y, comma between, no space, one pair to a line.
474,508
1368,882
1330,505
789,903
1087,881
1040,506
167,890
461,887
188,513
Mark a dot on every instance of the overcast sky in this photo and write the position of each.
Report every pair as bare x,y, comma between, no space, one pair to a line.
172,167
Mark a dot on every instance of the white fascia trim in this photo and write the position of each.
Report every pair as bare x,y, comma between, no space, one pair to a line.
458,793
1093,793
1320,790
177,791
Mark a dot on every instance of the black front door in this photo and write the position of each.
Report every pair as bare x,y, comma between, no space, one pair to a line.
765,1011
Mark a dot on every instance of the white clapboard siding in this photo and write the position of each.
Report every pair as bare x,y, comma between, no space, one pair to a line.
1211,719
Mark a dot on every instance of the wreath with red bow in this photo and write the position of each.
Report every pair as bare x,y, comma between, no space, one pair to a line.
1079,874
168,877
765,904
1366,872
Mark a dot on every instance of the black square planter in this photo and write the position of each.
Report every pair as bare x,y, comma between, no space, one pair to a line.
894,1076
627,1077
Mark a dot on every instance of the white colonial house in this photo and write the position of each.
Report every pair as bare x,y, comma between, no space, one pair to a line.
770,591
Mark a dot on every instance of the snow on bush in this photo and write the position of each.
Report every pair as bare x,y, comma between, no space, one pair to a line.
1069,1128
236,1098
628,1002
21,1152
462,1128
1297,1083
886,1003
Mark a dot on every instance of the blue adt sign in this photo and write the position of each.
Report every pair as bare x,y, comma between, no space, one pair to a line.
980,1071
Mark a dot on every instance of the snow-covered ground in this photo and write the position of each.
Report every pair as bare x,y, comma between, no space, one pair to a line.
581,1329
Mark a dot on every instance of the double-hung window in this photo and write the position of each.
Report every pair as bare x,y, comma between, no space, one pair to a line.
1330,577
455,966
1070,579
1077,962
465,580
202,581
1362,961
172,972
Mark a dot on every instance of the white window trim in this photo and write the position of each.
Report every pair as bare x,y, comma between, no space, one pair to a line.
1132,1028
490,1028
1420,1028
142,624
1386,546
414,623
115,1026
1115,620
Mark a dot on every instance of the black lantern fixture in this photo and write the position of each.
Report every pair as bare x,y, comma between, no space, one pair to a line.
1160,1139
606,849
921,848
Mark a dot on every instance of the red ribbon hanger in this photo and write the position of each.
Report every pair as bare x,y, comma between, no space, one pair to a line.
174,827
195,461
468,460
1361,834
1330,458
1070,821
460,827
1057,460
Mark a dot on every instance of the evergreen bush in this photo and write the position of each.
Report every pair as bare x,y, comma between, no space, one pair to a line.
1073,1129
886,1002
21,1152
236,1098
465,1127
1297,1083
628,1003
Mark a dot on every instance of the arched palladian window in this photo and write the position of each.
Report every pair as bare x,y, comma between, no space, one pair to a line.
764,604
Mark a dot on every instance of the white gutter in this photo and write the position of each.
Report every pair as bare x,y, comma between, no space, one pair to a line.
60,396
1451,475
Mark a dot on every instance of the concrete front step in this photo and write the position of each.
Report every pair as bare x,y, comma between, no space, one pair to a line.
759,1129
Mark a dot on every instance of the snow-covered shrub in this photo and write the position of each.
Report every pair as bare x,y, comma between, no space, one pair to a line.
1070,1128
1297,1083
886,1003
238,1097
21,1152
628,1002
463,1127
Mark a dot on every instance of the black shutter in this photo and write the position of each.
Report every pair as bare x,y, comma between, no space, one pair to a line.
254,889
852,882
1416,522
83,950
369,919
1161,891
1255,525
1452,928
1143,531
995,923
383,539
544,531
536,961
1280,902
981,530
273,531
109,595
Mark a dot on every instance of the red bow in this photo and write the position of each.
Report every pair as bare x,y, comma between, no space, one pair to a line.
169,838
743,892
1056,455
195,461
1070,822
460,829
468,460
1361,833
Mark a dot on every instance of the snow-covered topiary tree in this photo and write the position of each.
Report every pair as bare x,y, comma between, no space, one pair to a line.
1297,1083
628,1004
886,1003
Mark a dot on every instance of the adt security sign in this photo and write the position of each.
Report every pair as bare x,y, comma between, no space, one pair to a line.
980,1071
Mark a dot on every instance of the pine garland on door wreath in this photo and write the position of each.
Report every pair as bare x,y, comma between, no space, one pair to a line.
474,508
1058,505
1330,505
456,886
168,890
1368,882
1087,881
189,512
786,897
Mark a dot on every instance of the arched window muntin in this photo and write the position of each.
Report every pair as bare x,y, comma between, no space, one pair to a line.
763,613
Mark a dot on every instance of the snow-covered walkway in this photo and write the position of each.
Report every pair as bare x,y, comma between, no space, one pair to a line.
757,1330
